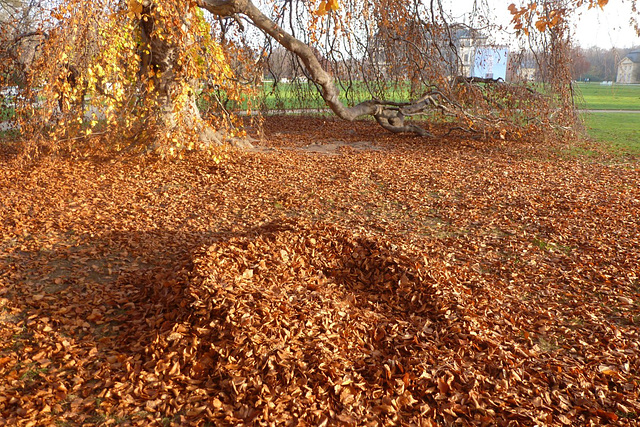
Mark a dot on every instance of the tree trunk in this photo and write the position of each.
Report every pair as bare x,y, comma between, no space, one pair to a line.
177,106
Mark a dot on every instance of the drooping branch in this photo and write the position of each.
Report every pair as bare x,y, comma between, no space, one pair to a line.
389,116
478,106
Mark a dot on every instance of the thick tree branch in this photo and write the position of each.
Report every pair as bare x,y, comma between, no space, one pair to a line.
219,7
390,117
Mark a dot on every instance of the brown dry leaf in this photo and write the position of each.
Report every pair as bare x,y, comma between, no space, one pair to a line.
504,278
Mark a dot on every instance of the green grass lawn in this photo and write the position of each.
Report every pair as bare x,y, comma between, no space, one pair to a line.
608,97
291,96
590,96
620,132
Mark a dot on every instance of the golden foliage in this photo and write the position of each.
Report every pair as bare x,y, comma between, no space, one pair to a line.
327,6
94,85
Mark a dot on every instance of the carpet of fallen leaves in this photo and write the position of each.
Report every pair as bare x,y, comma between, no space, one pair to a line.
386,280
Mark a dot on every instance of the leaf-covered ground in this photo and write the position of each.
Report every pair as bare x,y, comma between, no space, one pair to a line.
383,280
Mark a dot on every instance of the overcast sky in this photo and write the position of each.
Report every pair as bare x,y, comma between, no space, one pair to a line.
606,28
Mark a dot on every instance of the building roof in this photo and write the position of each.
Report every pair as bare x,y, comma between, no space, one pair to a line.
634,56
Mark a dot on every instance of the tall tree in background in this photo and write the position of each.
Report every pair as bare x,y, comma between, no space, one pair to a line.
580,63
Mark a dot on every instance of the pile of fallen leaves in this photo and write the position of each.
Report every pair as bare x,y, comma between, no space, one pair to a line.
386,281
309,324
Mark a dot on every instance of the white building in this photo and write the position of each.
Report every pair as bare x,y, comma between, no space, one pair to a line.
629,68
467,40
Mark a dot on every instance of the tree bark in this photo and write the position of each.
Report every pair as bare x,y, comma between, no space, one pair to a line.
159,60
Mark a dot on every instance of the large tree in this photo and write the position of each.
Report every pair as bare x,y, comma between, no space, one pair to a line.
127,72
148,68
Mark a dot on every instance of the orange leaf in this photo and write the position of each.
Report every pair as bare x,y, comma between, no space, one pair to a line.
4,361
322,9
608,415
443,387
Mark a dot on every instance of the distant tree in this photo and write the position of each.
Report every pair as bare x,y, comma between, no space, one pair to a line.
603,63
21,16
580,64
